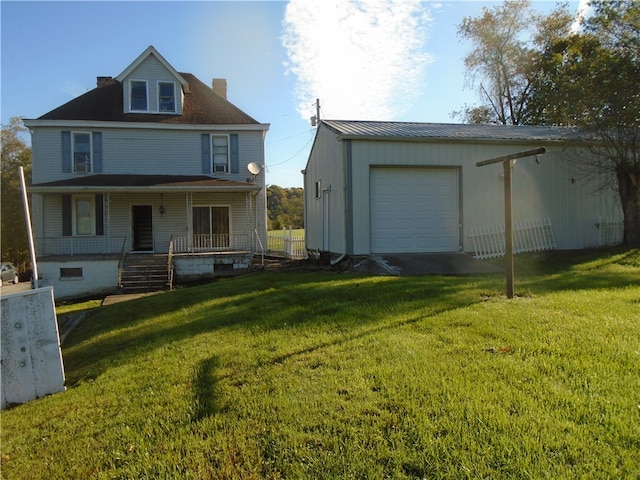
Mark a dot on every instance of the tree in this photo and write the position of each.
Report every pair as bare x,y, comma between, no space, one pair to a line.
537,69
591,79
500,62
285,207
15,153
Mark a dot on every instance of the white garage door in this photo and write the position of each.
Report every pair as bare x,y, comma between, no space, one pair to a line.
414,210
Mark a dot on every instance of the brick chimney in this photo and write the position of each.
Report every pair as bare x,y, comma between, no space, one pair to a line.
219,86
104,81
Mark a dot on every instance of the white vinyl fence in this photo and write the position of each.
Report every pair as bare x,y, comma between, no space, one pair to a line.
529,236
288,243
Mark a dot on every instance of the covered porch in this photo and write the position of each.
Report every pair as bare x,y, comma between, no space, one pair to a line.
109,214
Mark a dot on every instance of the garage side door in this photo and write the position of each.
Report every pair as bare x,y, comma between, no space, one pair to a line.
414,210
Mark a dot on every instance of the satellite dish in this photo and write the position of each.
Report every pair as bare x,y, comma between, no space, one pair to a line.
254,168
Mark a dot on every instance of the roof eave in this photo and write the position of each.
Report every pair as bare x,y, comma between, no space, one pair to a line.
143,189
31,123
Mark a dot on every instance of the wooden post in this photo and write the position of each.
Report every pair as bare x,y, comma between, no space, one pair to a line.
508,214
508,227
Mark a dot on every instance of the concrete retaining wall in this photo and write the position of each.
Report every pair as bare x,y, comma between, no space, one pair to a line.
31,357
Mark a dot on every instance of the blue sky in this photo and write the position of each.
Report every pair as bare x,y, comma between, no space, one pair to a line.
395,60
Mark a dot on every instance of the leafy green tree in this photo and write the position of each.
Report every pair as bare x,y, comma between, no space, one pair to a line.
500,62
285,207
15,154
537,69
591,79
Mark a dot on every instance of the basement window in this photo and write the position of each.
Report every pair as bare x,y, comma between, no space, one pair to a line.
70,273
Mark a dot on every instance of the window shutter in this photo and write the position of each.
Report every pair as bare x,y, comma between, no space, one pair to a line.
206,153
66,215
235,158
100,214
97,152
66,152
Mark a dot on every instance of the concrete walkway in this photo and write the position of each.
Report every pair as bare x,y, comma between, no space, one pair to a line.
69,321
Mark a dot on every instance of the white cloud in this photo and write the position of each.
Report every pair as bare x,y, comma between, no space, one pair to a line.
364,59
581,13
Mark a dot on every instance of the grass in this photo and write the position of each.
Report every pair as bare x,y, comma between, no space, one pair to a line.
327,375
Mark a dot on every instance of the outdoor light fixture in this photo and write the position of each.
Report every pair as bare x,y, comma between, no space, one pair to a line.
162,210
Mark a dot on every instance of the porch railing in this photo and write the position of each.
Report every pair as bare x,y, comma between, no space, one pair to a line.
79,245
211,243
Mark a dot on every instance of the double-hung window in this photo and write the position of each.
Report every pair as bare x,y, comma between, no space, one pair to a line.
84,215
166,97
81,152
220,153
139,101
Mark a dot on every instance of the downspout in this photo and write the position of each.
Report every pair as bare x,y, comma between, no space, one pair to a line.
346,191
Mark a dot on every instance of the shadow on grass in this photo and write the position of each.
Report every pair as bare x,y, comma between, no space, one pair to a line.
268,301
204,387
121,333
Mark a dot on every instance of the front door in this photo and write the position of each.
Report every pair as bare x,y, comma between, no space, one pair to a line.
142,218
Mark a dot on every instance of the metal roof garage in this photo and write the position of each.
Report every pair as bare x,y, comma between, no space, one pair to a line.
399,187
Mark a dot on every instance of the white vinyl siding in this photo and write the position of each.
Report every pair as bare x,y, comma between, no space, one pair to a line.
143,152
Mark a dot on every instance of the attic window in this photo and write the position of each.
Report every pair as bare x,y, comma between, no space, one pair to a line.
166,97
138,90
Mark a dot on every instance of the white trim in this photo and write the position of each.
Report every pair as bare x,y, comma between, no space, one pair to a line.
146,125
146,86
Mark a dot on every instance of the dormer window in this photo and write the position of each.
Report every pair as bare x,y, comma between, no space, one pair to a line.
166,97
139,96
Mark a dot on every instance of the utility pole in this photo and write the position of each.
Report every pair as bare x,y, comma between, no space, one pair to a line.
315,120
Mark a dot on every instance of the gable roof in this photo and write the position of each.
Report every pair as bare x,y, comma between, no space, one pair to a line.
371,130
143,56
201,105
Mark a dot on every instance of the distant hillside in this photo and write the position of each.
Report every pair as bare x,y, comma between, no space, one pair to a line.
285,207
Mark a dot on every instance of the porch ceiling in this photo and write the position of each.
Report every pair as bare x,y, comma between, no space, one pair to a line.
143,183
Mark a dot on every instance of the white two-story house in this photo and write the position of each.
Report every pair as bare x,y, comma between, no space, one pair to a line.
151,161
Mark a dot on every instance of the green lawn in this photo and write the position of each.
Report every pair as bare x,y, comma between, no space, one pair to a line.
334,375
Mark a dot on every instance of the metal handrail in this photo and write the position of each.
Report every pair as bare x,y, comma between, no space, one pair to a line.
123,255
170,264
261,246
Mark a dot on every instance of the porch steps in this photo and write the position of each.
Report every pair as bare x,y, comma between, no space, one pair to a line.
144,272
